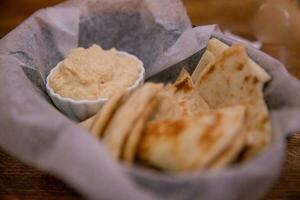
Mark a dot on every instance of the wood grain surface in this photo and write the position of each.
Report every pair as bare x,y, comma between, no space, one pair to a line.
21,182
288,186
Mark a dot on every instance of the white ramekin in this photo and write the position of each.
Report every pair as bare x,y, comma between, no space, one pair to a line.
82,109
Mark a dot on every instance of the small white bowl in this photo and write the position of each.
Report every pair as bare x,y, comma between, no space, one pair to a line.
82,109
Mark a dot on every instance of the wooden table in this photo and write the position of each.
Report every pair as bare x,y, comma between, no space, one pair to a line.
19,181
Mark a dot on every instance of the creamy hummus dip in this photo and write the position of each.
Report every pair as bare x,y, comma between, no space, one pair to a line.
93,73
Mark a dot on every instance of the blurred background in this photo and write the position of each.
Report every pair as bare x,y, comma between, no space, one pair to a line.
275,23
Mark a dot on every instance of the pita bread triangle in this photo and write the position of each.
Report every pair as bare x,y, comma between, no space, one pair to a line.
103,117
179,99
135,135
232,80
126,116
192,142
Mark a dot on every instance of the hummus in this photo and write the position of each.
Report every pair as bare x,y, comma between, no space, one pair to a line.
93,73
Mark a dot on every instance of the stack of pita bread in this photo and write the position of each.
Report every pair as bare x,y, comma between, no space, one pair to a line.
209,120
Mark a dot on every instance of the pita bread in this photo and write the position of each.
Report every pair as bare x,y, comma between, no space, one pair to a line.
217,48
233,80
105,114
126,116
190,143
179,99
183,83
230,153
187,97
168,106
87,124
134,137
207,59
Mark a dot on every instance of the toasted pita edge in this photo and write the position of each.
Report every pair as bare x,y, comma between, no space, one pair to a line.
87,123
230,153
207,59
134,137
105,114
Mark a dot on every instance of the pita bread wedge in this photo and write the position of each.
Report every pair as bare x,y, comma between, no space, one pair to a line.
217,48
105,114
183,83
168,106
235,80
190,143
230,154
187,97
126,116
134,137
87,124
179,99
207,59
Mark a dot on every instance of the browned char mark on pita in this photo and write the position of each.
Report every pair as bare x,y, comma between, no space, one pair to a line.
183,85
